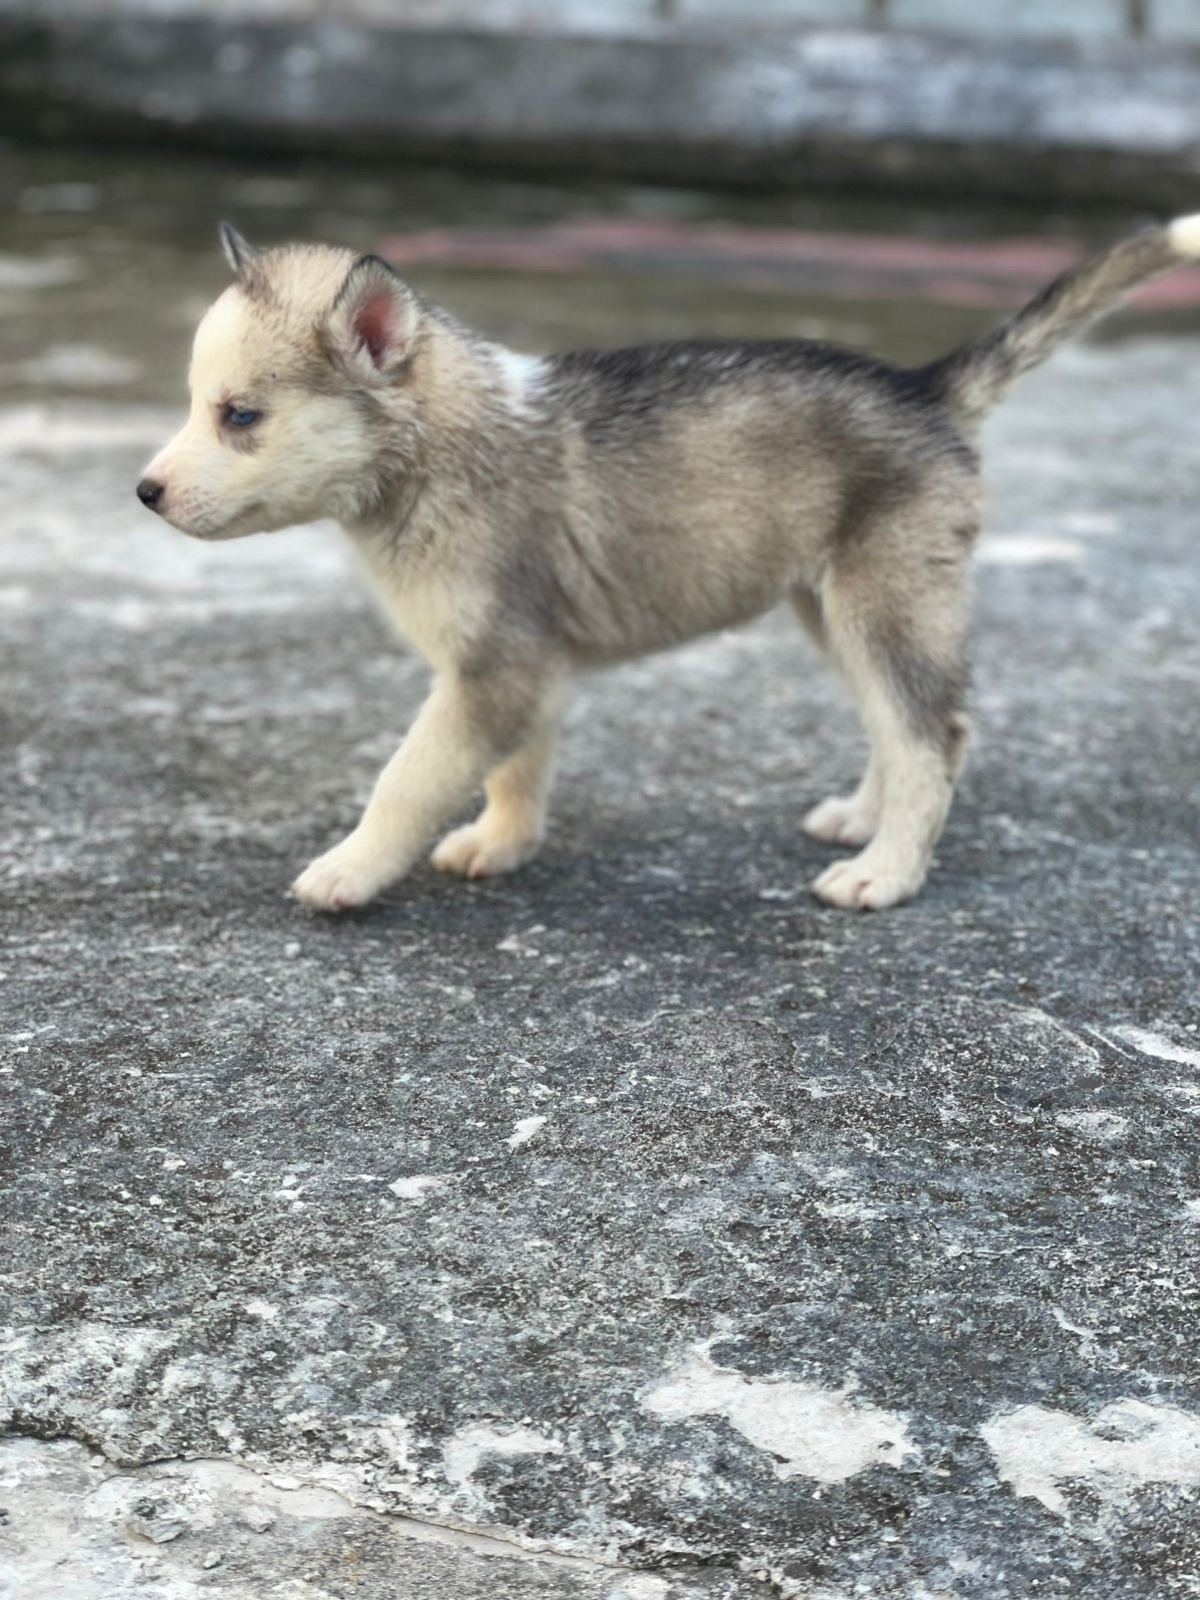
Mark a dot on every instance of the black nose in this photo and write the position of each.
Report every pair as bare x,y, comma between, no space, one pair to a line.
149,492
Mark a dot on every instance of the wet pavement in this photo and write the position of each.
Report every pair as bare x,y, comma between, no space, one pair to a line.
634,1227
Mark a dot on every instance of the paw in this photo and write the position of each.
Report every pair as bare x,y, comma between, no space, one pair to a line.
477,852
866,882
344,877
839,822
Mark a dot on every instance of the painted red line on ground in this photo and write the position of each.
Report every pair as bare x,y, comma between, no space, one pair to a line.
843,265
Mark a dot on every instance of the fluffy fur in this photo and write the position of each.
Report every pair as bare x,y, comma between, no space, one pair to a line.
526,518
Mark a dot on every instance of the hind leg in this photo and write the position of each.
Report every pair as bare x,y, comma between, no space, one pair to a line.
899,637
842,819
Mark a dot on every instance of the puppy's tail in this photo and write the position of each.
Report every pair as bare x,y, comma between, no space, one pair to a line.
973,378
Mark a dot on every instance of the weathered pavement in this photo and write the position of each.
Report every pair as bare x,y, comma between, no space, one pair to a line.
636,1209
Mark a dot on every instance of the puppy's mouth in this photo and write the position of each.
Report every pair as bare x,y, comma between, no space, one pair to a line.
247,520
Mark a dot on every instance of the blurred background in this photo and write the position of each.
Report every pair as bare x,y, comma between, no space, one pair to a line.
884,172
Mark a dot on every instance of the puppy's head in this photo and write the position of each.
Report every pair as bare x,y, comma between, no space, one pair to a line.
296,370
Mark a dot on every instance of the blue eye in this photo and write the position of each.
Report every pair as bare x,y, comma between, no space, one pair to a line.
241,416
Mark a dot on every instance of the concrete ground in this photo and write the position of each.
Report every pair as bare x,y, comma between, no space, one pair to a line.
633,1228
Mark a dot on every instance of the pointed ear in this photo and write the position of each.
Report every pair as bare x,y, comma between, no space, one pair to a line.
237,252
374,321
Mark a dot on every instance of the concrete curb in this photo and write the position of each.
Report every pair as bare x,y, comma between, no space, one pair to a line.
816,108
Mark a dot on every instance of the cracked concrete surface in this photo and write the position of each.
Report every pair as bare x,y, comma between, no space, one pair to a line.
183,1530
839,1256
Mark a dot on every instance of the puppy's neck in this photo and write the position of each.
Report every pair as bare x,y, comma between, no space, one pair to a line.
477,413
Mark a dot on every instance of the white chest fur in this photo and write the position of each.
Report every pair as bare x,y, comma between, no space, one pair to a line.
416,599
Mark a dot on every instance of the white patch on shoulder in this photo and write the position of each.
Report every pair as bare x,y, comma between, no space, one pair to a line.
518,376
1126,1445
812,1432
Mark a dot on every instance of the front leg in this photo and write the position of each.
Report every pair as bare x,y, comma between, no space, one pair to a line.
467,726
510,828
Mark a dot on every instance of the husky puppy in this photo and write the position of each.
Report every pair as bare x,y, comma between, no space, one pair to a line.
526,518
